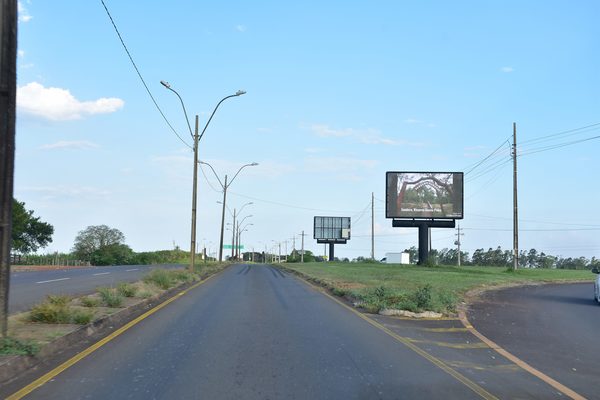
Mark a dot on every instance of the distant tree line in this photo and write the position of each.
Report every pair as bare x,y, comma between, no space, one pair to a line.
504,258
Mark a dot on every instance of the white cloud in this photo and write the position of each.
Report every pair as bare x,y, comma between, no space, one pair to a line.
72,145
314,150
365,136
21,53
240,28
412,121
507,69
58,104
24,15
338,164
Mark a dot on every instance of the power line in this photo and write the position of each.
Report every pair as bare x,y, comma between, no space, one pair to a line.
570,132
207,181
486,158
288,205
557,146
140,75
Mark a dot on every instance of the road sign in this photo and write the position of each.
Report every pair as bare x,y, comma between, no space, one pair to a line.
228,246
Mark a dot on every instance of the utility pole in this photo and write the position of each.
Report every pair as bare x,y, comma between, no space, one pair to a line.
515,203
372,226
8,88
279,256
233,235
458,235
223,220
194,197
302,251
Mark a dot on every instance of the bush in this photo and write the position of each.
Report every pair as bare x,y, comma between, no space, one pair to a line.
422,297
50,313
160,277
18,347
58,300
82,317
110,297
90,301
126,289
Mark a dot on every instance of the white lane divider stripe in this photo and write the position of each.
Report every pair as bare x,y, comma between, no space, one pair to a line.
101,273
54,280
133,269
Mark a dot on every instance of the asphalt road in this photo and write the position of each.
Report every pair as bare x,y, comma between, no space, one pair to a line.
30,287
554,328
253,332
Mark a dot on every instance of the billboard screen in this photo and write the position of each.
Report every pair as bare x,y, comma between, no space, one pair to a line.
424,195
334,229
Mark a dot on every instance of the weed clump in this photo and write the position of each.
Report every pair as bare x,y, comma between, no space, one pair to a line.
89,302
126,289
56,310
110,297
10,346
165,279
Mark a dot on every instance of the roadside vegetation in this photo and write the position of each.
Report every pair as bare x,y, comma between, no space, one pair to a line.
59,315
375,286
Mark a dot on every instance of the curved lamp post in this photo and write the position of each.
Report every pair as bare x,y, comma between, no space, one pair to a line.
196,138
225,186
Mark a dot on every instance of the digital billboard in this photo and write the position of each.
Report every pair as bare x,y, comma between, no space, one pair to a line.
424,195
332,229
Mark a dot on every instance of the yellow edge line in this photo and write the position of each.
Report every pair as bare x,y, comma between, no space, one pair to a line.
80,356
539,374
405,341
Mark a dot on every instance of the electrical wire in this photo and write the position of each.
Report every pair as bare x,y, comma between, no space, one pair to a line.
557,146
570,132
476,165
140,75
207,181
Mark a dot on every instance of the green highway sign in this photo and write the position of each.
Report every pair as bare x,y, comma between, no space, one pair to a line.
228,246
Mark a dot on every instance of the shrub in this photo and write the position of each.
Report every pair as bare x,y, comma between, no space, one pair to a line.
110,297
50,313
160,277
58,300
18,347
422,297
90,301
126,289
82,317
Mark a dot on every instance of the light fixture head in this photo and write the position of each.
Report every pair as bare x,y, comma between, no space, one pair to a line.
240,92
254,164
166,84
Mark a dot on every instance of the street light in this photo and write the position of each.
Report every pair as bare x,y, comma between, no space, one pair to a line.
196,139
238,235
225,186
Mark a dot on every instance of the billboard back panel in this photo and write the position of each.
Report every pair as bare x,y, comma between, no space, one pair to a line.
332,228
424,195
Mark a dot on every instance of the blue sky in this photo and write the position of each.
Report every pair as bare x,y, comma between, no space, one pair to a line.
338,93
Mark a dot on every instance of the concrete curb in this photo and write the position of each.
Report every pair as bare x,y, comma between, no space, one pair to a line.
11,367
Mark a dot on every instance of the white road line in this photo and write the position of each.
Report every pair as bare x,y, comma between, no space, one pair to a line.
134,269
54,280
101,273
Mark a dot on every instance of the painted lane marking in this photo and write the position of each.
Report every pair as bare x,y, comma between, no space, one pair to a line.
80,356
555,384
101,273
54,280
405,341
133,269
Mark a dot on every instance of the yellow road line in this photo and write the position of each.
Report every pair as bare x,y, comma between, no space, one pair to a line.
550,381
80,356
405,341
477,345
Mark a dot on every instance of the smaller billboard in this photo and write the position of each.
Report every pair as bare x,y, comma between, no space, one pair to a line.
428,195
332,229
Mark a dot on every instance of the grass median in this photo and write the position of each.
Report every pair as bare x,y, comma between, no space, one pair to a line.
376,286
60,314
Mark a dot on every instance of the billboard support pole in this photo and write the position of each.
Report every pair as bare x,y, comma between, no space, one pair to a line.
331,252
423,243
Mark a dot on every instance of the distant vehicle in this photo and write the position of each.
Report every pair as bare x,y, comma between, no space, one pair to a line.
397,258
597,284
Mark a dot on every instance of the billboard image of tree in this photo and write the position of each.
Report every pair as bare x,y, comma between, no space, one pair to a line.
424,195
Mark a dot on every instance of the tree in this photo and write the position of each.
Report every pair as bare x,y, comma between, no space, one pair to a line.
102,246
28,232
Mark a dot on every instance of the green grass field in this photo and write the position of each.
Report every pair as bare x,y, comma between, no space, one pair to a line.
417,288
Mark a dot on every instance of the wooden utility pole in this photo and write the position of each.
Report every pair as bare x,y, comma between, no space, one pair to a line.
8,88
458,235
302,251
515,203
372,226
